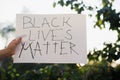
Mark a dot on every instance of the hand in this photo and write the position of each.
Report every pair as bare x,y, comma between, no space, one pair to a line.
12,46
10,50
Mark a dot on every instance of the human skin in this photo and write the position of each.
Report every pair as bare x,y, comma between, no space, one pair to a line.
10,49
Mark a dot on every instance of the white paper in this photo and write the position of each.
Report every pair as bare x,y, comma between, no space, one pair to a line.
51,38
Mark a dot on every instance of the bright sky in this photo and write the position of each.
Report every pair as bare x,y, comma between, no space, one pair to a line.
9,9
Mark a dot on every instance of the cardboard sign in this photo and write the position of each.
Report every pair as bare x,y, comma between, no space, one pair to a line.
54,38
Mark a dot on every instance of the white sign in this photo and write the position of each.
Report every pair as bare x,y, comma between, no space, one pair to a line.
54,38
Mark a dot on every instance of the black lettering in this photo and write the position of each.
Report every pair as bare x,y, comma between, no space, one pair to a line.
47,47
39,34
70,36
37,48
54,37
45,22
53,22
55,48
30,36
27,22
35,23
66,22
45,37
62,48
71,48
23,48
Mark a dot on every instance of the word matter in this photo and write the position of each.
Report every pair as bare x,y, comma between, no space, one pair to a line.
44,49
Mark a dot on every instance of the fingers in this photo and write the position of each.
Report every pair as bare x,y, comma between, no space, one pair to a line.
14,42
18,40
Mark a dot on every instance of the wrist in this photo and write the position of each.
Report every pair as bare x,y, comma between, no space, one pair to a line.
8,51
3,53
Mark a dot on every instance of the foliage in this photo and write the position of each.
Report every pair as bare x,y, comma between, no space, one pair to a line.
104,15
110,52
99,69
6,29
96,71
76,5
108,15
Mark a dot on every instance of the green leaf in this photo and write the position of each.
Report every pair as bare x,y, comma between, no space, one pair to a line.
61,2
54,4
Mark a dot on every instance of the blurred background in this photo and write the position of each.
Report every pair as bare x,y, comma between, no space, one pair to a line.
9,9
103,39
